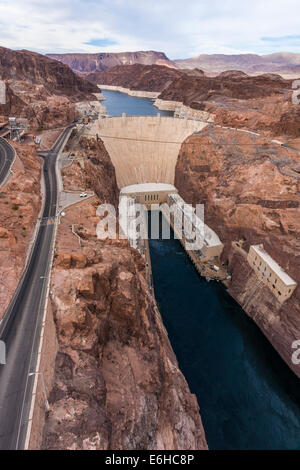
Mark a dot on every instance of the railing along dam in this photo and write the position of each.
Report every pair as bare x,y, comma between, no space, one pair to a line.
144,149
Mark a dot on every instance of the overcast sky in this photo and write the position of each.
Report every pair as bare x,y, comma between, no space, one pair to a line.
180,28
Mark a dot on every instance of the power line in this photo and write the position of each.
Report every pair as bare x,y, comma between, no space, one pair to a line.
183,142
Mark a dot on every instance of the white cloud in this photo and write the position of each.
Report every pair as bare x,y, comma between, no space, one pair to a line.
181,28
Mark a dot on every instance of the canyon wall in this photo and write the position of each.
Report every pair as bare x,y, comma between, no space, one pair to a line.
250,189
137,77
117,384
231,84
41,89
92,170
56,77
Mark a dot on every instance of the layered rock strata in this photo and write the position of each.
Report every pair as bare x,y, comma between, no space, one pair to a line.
250,188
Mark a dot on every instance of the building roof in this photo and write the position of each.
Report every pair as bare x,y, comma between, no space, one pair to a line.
147,187
286,279
210,237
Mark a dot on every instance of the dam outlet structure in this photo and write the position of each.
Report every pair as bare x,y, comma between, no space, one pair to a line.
137,200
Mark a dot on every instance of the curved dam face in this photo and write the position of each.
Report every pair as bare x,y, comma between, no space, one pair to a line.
144,149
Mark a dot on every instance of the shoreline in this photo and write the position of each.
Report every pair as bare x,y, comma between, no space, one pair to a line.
152,95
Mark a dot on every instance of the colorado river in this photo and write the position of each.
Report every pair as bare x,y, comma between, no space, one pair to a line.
248,397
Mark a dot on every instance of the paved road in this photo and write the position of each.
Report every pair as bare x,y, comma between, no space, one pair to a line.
6,159
21,326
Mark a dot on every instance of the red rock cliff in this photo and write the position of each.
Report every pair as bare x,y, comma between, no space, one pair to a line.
117,382
250,189
137,77
41,70
41,89
20,202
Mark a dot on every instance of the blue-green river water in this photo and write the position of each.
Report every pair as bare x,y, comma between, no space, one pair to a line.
248,397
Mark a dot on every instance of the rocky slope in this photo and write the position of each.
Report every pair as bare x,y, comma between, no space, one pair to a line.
192,86
231,84
33,102
250,189
289,122
272,116
41,89
282,63
137,77
87,63
92,170
20,202
41,70
117,383
262,103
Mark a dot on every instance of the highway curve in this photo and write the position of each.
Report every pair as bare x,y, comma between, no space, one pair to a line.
6,159
22,323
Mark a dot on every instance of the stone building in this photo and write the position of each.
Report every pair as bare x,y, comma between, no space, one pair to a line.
270,273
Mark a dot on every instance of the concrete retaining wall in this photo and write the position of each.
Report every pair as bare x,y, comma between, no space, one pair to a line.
182,110
47,363
166,105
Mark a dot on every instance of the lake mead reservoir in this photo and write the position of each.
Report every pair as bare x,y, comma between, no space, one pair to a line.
117,103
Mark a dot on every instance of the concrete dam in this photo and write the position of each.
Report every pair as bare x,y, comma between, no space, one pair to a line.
144,152
144,149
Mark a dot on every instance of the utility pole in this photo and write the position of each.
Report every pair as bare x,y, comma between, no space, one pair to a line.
15,126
